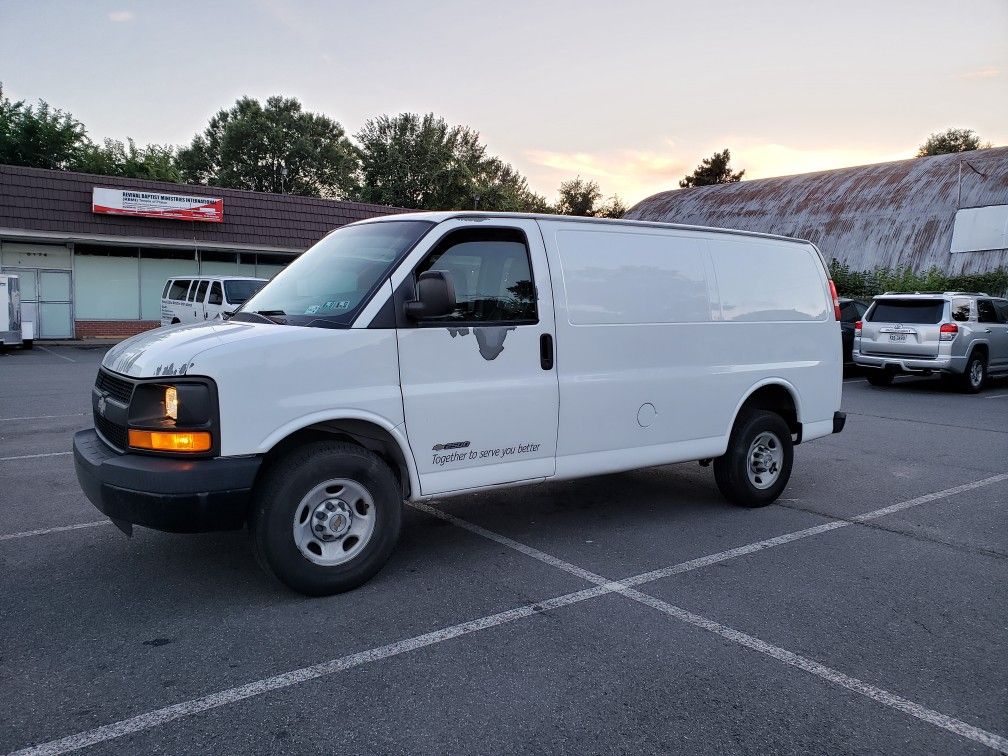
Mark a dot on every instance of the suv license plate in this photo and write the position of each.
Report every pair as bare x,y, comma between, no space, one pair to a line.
897,337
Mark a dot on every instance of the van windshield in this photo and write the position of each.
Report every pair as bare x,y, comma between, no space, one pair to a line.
328,284
237,292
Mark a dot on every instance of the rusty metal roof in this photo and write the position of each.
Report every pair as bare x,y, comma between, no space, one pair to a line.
891,214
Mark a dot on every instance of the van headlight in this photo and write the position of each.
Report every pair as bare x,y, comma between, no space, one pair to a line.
177,417
171,402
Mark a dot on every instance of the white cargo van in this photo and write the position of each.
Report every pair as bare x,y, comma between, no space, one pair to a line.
433,354
200,298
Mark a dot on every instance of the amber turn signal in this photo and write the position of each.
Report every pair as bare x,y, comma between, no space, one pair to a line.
171,441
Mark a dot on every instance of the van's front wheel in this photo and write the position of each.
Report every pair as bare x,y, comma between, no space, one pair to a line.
326,517
757,465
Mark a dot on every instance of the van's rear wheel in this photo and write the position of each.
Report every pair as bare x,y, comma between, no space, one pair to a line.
326,517
757,465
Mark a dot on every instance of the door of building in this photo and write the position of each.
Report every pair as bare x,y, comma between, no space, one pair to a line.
45,300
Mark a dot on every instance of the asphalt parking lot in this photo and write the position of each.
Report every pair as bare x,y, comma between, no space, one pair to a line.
865,612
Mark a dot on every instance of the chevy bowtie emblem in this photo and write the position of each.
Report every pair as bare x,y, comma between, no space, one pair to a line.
101,405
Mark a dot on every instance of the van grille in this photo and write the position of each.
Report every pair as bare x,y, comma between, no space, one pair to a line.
113,433
119,389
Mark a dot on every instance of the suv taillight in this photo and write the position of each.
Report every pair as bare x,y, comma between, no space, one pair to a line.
836,300
857,328
948,332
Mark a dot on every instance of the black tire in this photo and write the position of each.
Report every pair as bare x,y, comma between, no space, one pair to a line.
175,321
731,471
975,365
27,344
883,377
281,490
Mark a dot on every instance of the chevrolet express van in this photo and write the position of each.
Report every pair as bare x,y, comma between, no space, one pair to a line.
199,298
435,354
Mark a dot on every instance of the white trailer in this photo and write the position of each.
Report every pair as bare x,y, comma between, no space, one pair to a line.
13,331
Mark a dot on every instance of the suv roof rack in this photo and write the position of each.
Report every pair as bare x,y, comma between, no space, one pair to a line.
943,293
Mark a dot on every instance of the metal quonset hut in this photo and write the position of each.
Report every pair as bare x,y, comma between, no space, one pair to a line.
946,211
94,252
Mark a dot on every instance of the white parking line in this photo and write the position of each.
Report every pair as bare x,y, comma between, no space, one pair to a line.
996,396
602,587
35,456
50,351
880,695
60,529
44,417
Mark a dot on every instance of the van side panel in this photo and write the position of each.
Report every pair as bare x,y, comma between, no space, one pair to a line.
653,362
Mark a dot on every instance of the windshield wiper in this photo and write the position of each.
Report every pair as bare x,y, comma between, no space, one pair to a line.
264,315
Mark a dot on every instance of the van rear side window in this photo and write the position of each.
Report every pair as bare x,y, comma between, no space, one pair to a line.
178,289
919,311
632,278
768,281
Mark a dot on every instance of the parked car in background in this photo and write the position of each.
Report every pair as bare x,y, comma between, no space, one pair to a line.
961,335
193,300
851,311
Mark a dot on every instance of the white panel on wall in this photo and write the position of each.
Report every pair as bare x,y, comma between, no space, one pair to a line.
980,228
155,270
106,287
18,255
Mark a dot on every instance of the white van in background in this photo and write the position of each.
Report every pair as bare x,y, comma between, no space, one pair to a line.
199,298
435,354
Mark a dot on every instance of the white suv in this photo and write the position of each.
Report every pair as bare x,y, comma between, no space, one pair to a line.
963,335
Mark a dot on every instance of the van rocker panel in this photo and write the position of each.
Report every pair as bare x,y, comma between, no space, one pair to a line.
170,494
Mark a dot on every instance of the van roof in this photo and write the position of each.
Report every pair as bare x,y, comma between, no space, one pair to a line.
216,278
442,215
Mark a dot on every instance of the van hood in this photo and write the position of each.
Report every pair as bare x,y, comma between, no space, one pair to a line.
171,350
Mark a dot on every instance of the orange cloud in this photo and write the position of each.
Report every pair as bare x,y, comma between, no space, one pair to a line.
632,174
990,72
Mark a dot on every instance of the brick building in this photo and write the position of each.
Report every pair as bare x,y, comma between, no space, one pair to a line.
91,266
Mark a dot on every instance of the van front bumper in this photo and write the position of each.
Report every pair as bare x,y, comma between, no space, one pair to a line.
941,364
170,494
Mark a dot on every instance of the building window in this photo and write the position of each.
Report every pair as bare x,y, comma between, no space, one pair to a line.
106,283
156,267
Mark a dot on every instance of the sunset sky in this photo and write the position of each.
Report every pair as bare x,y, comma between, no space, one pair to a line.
630,94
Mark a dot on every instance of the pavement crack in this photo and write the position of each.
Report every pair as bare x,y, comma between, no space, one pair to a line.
927,422
963,547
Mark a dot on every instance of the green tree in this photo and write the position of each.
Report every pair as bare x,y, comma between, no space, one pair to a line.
421,161
39,136
578,197
273,148
713,170
582,196
950,141
154,162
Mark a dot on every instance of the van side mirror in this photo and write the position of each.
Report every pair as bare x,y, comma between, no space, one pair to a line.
435,296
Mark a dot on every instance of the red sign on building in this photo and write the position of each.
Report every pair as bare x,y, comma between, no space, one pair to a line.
157,205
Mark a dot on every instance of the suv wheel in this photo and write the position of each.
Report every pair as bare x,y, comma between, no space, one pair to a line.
326,517
757,465
976,374
883,377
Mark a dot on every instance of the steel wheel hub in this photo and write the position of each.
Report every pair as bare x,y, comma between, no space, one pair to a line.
765,460
334,522
331,519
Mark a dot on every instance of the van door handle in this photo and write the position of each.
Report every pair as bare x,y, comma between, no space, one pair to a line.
546,351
